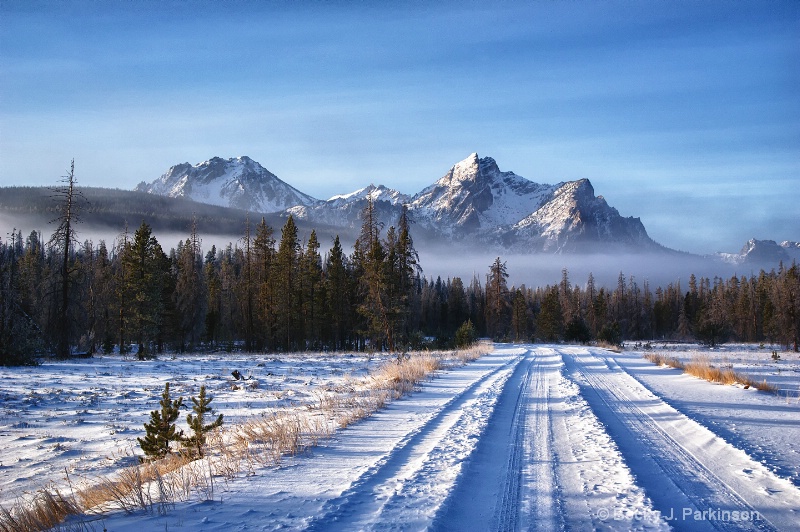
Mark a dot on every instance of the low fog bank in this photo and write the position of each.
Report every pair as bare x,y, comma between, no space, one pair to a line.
168,238
541,269
659,269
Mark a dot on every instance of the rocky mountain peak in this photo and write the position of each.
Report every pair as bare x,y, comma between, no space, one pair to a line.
237,182
463,172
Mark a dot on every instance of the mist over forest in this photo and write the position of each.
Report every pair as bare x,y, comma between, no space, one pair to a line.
106,213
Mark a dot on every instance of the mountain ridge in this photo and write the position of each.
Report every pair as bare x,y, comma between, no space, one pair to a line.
474,202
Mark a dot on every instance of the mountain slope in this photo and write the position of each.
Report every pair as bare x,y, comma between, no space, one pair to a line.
241,183
475,195
574,219
476,200
344,210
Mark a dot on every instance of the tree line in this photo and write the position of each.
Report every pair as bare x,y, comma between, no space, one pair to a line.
272,292
756,308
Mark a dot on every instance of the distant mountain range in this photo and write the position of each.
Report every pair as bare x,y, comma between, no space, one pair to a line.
474,208
473,202
760,252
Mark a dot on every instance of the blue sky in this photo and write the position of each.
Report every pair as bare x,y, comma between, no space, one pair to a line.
685,114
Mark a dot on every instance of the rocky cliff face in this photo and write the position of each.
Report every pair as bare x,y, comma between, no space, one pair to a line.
574,219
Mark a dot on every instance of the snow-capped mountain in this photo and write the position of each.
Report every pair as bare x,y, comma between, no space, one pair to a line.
474,202
763,252
241,183
377,193
475,196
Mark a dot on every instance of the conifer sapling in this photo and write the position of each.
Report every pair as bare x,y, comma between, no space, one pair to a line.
194,443
161,429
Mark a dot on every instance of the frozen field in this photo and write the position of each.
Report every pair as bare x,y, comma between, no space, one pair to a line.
529,436
85,415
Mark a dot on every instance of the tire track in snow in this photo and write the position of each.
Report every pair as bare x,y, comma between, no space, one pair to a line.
682,466
488,493
363,503
543,510
575,472
507,514
544,462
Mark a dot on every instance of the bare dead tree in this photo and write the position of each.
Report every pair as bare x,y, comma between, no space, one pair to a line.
68,201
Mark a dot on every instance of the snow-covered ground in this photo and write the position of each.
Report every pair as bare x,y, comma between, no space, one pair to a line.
529,436
751,359
85,415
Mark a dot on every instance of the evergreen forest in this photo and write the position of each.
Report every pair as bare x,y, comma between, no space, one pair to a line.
275,292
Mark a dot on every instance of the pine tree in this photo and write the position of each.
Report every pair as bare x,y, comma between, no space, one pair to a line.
146,270
213,297
230,315
19,334
190,290
457,305
286,276
407,270
519,316
498,304
370,260
550,322
246,289
161,430
263,253
103,296
194,444
338,292
465,335
312,292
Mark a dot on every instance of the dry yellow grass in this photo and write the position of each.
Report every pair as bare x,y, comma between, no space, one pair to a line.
402,376
474,352
45,510
702,368
663,360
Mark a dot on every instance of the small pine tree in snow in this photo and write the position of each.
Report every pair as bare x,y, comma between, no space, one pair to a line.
194,443
465,335
162,430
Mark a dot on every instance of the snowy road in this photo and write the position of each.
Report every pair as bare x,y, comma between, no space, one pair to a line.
529,437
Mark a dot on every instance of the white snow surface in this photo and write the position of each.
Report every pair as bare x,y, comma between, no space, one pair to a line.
548,437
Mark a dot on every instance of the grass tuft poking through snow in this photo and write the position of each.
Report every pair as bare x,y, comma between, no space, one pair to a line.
47,508
701,367
263,441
